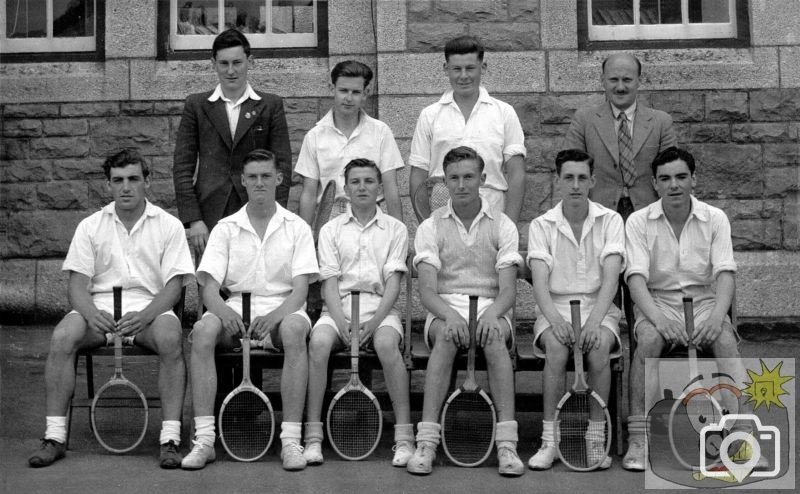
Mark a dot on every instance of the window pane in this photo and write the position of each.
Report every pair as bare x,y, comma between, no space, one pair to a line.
292,16
660,12
709,11
198,17
246,15
612,12
26,19
73,18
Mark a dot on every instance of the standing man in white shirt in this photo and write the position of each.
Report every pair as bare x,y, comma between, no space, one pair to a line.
268,251
467,115
134,244
218,128
346,133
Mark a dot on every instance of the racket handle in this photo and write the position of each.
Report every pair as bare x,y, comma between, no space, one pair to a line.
575,313
246,311
473,323
355,322
117,303
688,315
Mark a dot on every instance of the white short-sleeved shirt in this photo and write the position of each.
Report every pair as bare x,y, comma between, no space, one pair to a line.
143,259
690,263
240,261
326,151
493,130
362,257
576,267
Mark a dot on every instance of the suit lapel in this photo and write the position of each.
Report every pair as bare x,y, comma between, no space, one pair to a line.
642,126
247,116
604,123
219,117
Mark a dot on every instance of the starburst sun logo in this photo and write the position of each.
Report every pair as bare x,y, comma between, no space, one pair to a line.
766,388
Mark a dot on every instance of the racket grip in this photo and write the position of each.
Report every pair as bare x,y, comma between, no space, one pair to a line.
575,311
246,310
688,315
117,303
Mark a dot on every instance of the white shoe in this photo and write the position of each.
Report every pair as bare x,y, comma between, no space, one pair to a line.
544,458
596,453
421,463
636,457
403,451
509,464
313,453
198,457
292,457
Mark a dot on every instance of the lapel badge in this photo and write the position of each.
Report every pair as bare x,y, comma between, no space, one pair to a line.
247,115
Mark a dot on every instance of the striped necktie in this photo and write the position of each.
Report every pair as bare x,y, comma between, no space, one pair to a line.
626,151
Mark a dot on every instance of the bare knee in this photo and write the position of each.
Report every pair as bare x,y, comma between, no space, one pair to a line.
556,353
726,344
205,334
293,333
649,342
168,336
68,334
321,343
385,342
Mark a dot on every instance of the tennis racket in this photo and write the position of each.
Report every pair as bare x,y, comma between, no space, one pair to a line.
246,418
354,420
119,409
468,416
324,209
696,407
429,196
583,424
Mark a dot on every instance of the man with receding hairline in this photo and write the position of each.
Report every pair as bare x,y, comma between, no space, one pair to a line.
623,136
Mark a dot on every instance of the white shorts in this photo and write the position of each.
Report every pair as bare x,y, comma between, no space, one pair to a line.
260,306
368,305
609,322
460,303
132,301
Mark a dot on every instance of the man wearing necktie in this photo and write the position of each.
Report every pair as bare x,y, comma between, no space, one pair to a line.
623,136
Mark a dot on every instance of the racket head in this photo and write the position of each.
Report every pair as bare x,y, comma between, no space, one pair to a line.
324,209
429,196
119,415
354,423
582,447
468,427
688,415
246,423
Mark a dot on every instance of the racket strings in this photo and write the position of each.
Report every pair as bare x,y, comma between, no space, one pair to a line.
582,439
354,424
468,428
439,195
246,425
119,417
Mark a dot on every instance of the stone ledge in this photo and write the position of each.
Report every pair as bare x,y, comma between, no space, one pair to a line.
46,82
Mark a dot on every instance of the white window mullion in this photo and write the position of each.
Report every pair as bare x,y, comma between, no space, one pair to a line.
684,12
49,9
636,14
268,16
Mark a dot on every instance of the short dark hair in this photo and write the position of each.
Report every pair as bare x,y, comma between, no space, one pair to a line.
259,155
638,64
351,68
462,153
228,39
673,154
576,155
361,163
463,45
124,158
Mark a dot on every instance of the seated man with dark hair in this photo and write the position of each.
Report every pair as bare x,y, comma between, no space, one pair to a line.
137,245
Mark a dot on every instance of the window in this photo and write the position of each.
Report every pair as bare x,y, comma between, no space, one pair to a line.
48,26
267,23
653,20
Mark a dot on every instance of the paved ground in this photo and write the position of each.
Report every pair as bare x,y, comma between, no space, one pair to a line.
88,468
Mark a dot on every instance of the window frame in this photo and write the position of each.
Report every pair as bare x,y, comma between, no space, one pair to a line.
667,35
166,17
72,53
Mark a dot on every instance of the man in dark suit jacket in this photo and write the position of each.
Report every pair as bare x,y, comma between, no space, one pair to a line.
218,128
595,130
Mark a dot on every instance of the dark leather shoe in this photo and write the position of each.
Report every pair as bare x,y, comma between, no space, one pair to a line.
48,453
169,456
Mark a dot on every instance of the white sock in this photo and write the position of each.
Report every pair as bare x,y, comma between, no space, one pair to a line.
429,431
404,432
313,433
506,434
291,433
170,431
204,431
548,432
596,430
56,429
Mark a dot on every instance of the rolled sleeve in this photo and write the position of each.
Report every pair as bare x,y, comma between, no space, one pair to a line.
307,165
390,157
177,260
329,262
722,247
636,252
304,259
396,261
420,155
514,136
425,245
80,256
614,240
538,248
214,262
508,252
